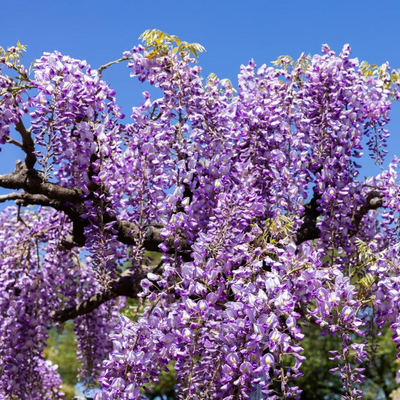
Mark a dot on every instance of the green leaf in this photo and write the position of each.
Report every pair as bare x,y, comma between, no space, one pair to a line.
161,43
367,281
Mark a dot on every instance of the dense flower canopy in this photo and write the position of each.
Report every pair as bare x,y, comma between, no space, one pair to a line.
252,197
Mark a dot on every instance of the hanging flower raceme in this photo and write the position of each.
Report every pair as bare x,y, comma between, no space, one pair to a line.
28,300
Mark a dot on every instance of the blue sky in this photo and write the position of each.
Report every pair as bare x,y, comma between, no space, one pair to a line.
232,32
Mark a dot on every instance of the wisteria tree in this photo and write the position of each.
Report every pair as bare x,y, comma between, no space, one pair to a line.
252,197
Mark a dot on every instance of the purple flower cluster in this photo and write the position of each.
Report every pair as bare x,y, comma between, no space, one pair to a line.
34,285
92,349
28,297
247,257
71,110
12,105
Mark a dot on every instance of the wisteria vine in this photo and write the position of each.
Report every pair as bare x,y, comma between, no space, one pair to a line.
251,195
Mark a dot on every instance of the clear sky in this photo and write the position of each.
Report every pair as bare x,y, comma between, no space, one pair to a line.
232,32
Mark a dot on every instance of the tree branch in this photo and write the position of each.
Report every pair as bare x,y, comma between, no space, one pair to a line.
309,230
40,192
82,398
13,141
31,182
28,144
128,284
373,202
24,198
103,67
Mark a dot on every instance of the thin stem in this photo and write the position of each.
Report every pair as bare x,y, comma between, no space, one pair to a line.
105,66
13,141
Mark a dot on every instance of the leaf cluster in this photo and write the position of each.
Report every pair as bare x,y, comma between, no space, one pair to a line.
390,78
288,63
381,72
12,55
278,228
226,84
160,44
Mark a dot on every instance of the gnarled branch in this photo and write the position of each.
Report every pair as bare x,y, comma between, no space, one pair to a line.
309,230
38,191
31,182
128,284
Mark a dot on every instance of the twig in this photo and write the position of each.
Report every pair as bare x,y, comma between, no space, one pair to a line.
103,67
13,141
